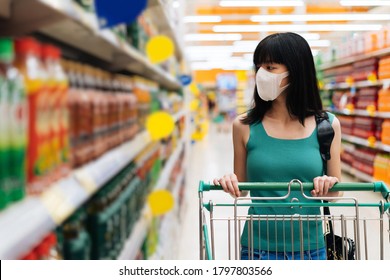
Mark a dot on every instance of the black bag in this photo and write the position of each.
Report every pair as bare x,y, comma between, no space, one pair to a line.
337,247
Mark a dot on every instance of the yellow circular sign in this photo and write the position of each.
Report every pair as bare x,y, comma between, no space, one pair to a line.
160,202
159,48
160,125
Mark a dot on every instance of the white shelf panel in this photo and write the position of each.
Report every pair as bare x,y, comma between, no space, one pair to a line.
137,236
91,175
361,84
350,60
364,142
362,113
24,224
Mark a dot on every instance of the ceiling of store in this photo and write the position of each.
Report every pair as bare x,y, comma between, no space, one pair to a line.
233,32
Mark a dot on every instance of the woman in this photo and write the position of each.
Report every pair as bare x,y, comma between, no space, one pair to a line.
276,141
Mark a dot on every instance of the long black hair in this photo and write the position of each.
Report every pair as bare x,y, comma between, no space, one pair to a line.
303,98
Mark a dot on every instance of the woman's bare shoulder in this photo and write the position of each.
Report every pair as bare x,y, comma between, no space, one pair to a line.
238,125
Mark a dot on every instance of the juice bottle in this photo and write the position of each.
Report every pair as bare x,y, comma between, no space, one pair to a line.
17,131
57,110
5,63
29,64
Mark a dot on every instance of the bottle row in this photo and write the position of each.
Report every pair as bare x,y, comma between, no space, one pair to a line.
100,228
371,129
370,162
370,69
359,44
59,114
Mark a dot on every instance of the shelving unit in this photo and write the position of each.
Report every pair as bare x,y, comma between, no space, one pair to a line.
24,224
350,60
362,113
359,175
66,22
360,84
353,87
135,240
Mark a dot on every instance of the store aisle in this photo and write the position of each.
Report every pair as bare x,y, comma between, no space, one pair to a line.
213,157
209,158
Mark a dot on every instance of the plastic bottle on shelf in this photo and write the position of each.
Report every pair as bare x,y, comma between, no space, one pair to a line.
58,110
17,127
6,58
29,64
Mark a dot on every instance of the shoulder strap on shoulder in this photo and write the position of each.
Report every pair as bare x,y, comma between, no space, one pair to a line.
325,134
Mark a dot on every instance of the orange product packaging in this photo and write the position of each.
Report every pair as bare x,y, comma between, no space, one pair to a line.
384,100
28,52
386,132
381,163
384,68
57,84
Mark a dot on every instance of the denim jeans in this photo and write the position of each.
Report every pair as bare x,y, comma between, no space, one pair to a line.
316,254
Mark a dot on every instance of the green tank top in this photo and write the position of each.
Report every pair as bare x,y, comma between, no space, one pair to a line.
271,159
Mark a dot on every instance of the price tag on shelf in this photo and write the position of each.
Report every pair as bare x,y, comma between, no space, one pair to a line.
350,107
349,81
86,181
371,110
371,141
57,204
372,78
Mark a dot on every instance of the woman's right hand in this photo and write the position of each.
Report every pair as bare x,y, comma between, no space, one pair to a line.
229,184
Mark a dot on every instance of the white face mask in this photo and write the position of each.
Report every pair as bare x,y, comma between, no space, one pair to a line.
268,84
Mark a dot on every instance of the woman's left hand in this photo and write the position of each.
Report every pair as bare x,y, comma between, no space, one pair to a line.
322,185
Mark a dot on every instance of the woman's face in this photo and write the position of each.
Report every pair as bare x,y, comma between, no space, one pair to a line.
277,69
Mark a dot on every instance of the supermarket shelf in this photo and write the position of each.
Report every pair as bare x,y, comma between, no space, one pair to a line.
134,242
362,113
92,177
164,24
26,223
65,21
364,142
361,84
350,60
356,173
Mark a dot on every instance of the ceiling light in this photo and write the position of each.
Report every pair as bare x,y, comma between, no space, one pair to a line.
297,27
312,43
319,17
364,3
262,3
212,37
202,19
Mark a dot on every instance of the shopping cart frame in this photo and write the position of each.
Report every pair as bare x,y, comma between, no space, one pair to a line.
206,244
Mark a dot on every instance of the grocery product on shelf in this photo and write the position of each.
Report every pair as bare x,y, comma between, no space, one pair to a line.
13,127
58,111
384,68
381,167
28,62
76,240
383,100
45,250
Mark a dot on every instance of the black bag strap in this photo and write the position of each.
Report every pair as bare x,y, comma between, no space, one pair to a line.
325,134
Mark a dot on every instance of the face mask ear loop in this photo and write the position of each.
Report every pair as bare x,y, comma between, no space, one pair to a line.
284,75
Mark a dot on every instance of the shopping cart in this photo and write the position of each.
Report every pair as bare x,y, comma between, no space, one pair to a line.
366,223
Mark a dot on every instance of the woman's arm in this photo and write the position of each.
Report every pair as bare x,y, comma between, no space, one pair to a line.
229,182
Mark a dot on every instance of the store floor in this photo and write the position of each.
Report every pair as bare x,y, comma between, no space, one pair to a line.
213,157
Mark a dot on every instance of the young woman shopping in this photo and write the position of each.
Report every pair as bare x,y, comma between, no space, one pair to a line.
276,141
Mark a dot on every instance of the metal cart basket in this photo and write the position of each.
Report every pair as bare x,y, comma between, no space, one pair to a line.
366,223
